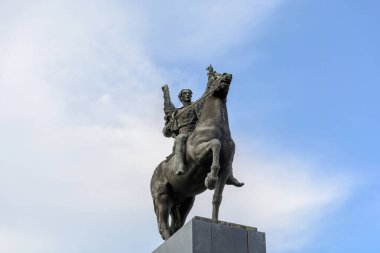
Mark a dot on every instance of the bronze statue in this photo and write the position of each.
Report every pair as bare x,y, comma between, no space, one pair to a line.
202,157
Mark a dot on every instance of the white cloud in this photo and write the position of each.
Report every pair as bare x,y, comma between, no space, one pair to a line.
16,241
80,107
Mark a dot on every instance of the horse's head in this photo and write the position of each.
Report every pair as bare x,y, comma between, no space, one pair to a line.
220,84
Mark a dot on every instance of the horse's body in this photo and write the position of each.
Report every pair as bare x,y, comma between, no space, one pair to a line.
209,155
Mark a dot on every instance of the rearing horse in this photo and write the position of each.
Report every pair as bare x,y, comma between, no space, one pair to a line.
209,155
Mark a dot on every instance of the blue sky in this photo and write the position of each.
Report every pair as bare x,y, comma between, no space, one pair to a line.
81,103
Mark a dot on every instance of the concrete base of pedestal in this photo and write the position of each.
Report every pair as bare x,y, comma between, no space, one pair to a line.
202,235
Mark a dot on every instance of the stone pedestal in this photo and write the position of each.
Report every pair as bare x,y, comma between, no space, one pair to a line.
201,235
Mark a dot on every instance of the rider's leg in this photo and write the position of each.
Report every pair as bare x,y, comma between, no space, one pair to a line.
179,149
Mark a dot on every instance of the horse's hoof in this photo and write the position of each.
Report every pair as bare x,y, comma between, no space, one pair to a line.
210,182
180,172
166,235
180,169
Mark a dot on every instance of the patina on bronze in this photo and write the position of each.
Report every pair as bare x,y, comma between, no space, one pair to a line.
202,157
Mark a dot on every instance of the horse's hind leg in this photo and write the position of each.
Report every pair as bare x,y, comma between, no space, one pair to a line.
179,213
162,199
163,205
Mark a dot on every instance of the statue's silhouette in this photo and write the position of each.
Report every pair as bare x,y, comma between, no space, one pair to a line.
207,157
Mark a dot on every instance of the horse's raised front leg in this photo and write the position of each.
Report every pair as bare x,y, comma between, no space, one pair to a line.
202,151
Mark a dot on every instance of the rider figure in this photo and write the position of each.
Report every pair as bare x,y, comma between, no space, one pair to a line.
182,122
180,126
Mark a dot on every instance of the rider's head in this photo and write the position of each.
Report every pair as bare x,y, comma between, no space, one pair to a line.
185,95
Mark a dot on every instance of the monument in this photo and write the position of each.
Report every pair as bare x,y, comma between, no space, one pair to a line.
202,159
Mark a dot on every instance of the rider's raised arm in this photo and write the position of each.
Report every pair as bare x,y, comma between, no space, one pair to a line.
169,108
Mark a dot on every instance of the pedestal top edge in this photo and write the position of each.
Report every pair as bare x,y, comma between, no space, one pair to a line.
230,224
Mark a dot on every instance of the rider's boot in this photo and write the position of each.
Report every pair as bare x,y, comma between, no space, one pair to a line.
180,142
231,180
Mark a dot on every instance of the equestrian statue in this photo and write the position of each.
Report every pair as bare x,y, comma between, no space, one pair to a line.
202,154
